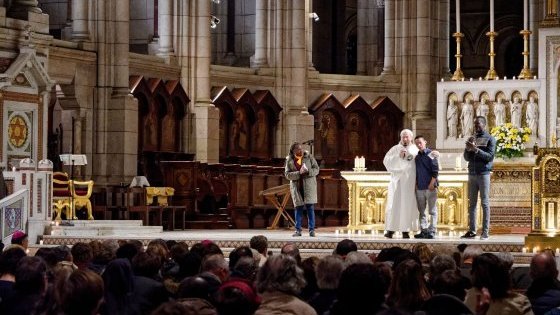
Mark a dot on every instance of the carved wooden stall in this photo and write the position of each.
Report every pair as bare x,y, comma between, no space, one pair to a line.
161,109
354,128
248,123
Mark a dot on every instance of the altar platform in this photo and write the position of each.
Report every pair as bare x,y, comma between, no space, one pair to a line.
323,244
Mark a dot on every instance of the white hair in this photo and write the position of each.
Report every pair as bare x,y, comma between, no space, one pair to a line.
407,131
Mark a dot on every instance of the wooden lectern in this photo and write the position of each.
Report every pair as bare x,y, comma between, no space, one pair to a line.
273,194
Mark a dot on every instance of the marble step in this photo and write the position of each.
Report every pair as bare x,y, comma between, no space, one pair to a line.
98,223
106,230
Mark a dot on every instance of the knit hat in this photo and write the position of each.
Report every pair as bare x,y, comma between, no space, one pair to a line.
18,236
246,289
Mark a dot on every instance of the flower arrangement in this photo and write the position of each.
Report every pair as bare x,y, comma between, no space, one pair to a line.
510,140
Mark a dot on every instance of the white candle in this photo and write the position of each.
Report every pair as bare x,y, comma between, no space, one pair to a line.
491,15
41,243
441,79
359,232
336,233
356,165
470,79
440,233
363,162
56,223
458,16
524,250
534,250
479,78
525,15
557,251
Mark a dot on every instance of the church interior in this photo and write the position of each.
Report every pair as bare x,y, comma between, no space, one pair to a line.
198,102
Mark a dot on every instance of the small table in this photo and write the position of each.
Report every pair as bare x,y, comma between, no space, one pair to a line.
161,193
272,194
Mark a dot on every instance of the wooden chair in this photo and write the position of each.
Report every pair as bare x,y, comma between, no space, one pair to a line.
62,196
81,192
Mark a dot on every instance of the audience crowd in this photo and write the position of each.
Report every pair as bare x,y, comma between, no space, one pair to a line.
168,278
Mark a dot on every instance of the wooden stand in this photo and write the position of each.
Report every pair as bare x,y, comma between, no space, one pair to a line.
272,195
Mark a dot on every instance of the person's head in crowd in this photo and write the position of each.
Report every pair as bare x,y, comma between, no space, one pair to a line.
159,249
198,249
82,293
63,253
450,282
543,266
280,273
118,280
127,251
344,247
31,276
189,265
470,253
48,255
138,244
236,297
170,243
180,249
328,272
95,246
361,287
194,287
259,259
175,308
145,265
488,271
308,265
461,247
82,255
210,248
216,265
423,252
9,260
408,288
20,238
105,253
245,268
291,249
237,253
403,255
441,263
389,254
357,258
506,258
260,243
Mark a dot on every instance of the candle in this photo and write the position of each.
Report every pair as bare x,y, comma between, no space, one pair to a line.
525,15
363,162
557,251
56,223
41,242
13,168
336,233
440,233
534,77
491,15
479,78
441,79
356,165
534,250
524,250
359,232
458,16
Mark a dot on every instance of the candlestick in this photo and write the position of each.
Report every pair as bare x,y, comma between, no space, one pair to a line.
491,72
525,72
458,74
458,16
525,15
491,15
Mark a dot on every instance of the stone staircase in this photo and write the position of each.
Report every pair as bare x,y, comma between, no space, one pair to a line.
95,228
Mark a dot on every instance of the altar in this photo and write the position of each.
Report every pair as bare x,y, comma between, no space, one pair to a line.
367,193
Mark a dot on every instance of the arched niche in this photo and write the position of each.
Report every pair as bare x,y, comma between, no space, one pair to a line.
329,115
243,120
387,123
357,127
224,101
172,125
266,121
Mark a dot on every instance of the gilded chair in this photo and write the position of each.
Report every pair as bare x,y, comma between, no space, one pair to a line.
62,195
81,192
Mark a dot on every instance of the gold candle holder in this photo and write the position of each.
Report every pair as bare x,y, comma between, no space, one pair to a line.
458,74
491,75
525,72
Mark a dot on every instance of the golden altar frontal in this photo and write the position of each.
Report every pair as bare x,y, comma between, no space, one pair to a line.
367,193
545,205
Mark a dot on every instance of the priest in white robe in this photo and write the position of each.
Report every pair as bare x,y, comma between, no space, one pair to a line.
401,213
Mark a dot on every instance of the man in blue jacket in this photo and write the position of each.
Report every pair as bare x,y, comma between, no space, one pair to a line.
479,152
427,170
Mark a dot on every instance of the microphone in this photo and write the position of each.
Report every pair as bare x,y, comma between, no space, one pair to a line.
308,142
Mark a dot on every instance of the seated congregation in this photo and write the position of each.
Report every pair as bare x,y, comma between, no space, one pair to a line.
168,277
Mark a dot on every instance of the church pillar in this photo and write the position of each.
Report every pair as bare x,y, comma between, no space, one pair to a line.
444,38
367,25
551,18
80,22
20,8
121,48
389,53
309,27
533,38
259,58
165,27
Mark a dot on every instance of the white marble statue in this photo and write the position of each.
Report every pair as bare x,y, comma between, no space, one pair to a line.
483,109
500,112
515,111
452,119
467,115
532,116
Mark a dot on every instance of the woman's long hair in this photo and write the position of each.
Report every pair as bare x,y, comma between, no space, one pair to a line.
408,289
292,148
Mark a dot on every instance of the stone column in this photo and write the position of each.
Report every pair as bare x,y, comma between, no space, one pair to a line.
259,58
551,18
80,30
444,37
389,58
366,29
423,45
19,8
533,38
121,47
165,27
77,141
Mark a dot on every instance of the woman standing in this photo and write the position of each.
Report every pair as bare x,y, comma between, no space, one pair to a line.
301,170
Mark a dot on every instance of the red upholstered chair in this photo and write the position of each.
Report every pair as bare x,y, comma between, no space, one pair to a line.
62,195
